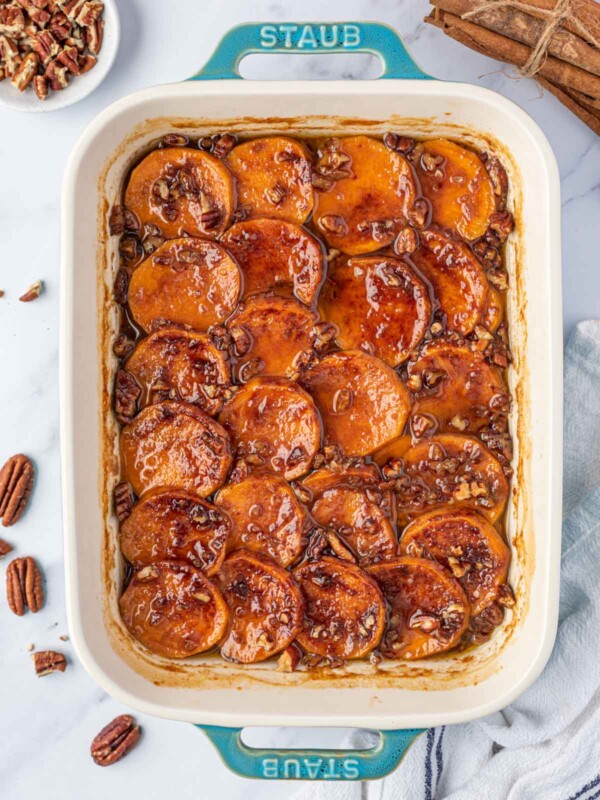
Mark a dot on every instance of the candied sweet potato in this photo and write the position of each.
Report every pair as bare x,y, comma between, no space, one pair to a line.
273,178
275,254
468,545
448,469
174,610
345,609
182,191
459,388
266,517
358,521
266,607
366,477
276,422
363,402
175,525
366,209
378,304
456,183
271,335
175,444
457,277
189,281
183,365
429,611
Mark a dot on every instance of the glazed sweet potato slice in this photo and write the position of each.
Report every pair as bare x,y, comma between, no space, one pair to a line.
175,525
468,545
266,517
182,365
345,609
456,183
459,389
363,402
367,209
266,607
276,422
174,610
275,254
457,277
175,444
448,469
271,335
429,611
273,178
182,191
189,281
378,304
358,521
365,477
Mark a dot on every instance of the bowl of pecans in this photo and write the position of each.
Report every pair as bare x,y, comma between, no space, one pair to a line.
54,53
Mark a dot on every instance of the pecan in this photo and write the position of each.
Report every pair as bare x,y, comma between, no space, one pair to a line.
210,219
121,286
128,247
499,180
498,278
16,482
175,140
9,54
324,333
289,659
241,340
333,223
40,86
317,543
123,500
205,143
406,242
419,214
57,75
45,45
12,22
24,586
69,58
5,548
302,493
123,346
276,193
86,63
502,223
115,740
127,392
33,292
122,219
88,13
60,26
342,401
47,661
224,144
340,550
401,144
25,72
321,182
420,424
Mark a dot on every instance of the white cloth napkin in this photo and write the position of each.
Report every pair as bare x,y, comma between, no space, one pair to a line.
546,745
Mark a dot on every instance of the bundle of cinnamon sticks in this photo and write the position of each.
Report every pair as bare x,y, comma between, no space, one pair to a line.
557,42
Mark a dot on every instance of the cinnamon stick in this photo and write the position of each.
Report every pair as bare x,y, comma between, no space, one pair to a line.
527,29
502,48
585,11
584,114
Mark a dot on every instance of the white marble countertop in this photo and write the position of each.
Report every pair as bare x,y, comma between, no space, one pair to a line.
46,725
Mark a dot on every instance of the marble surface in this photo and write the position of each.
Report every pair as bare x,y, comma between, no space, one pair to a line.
46,725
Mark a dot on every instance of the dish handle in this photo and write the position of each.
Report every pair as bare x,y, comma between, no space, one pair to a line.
314,764
306,38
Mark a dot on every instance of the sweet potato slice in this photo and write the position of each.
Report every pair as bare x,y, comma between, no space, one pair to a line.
182,365
460,390
266,607
271,335
367,209
378,304
457,277
182,191
174,610
468,545
273,178
366,477
358,521
267,517
363,402
448,469
456,183
275,254
276,422
175,525
175,444
429,611
345,610
192,282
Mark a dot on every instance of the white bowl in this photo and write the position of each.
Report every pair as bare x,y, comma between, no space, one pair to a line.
80,85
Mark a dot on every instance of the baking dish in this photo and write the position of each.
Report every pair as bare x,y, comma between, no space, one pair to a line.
396,698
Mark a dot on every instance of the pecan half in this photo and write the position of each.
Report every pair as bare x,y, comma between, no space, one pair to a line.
47,661
24,588
33,292
5,548
115,740
16,482
123,500
25,72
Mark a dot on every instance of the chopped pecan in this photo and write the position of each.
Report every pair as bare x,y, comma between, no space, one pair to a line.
123,346
9,54
86,63
340,549
289,659
123,500
60,26
40,86
89,13
57,75
69,58
502,223
33,292
175,140
419,214
321,182
406,242
401,144
121,286
115,740
45,45
224,144
24,588
122,219
47,661
499,180
12,22
5,548
333,223
16,482
127,392
25,72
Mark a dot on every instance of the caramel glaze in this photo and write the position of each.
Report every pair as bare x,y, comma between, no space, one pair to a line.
349,497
